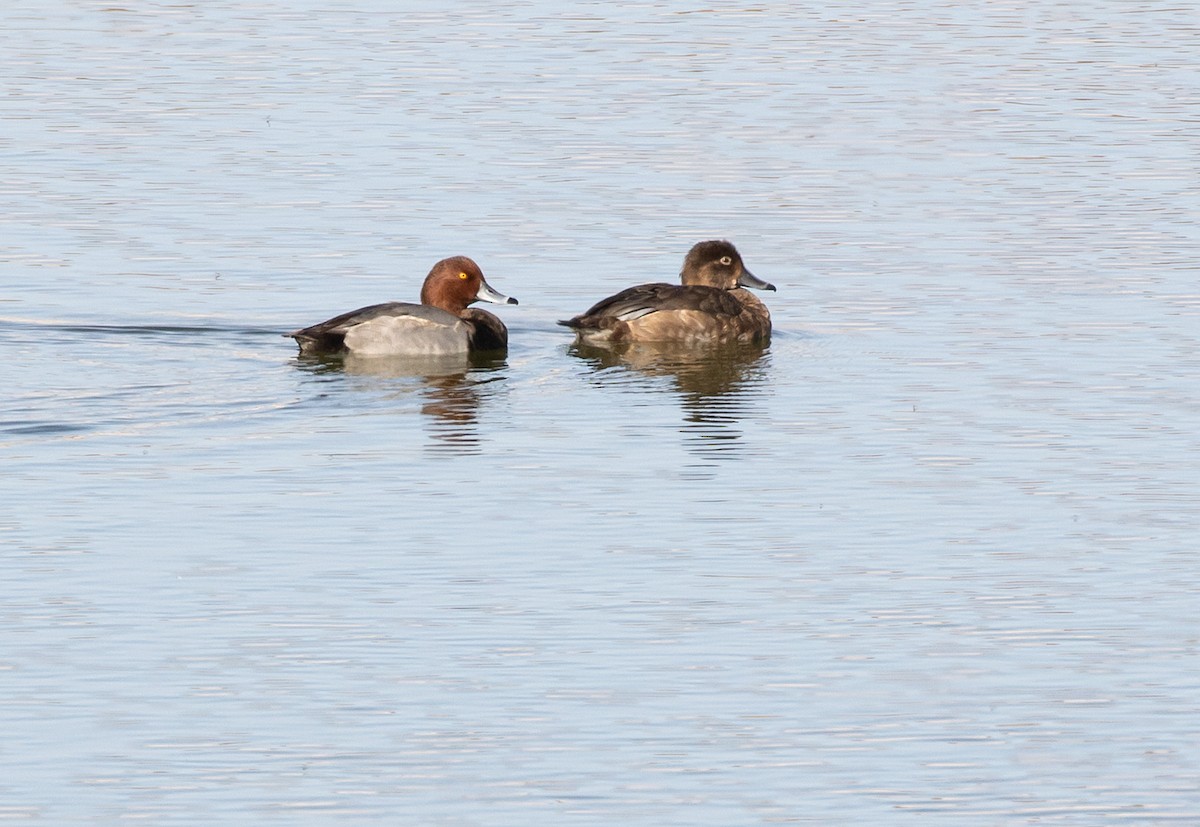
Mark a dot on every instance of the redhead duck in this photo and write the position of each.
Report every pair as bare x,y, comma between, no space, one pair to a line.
709,306
440,325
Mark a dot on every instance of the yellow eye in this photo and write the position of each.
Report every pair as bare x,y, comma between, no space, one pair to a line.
726,260
463,276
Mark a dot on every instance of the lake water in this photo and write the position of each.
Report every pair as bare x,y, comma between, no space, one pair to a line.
931,557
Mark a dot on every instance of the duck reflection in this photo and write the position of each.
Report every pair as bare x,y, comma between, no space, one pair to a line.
715,384
452,388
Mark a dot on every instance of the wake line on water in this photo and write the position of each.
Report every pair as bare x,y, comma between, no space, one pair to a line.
63,326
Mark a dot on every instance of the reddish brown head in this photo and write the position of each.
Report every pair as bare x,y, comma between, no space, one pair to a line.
456,282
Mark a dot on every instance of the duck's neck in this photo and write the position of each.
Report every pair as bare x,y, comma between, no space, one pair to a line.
439,299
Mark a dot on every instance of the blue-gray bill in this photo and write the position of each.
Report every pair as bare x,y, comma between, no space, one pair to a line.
487,294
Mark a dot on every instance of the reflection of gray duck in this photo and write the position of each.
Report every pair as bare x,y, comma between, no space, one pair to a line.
452,389
440,325
710,305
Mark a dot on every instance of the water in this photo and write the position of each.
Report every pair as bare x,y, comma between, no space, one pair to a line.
929,557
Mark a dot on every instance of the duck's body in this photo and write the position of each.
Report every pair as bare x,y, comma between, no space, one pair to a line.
441,325
709,306
404,329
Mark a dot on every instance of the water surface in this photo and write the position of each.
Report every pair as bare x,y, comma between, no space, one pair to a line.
928,557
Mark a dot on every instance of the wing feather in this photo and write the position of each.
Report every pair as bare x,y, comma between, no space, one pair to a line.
644,299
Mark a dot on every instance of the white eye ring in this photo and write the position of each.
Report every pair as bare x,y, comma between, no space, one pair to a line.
726,260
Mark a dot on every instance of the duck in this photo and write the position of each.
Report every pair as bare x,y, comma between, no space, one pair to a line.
441,325
710,305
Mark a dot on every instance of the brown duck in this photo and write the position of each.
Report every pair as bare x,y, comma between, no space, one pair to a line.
710,305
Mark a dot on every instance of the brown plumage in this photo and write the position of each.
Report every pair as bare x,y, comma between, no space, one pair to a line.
710,305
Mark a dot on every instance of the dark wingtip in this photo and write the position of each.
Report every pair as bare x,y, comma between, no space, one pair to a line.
511,300
568,322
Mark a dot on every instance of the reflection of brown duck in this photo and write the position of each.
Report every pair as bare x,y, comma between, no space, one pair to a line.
709,305
714,383
697,373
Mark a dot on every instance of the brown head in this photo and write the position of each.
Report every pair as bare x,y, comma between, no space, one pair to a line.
718,264
456,282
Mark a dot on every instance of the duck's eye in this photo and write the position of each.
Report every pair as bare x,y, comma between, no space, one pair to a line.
463,276
726,260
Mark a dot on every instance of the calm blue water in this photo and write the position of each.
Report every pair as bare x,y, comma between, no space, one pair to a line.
928,558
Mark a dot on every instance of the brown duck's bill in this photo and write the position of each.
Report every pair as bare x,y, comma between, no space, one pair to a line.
487,294
748,279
